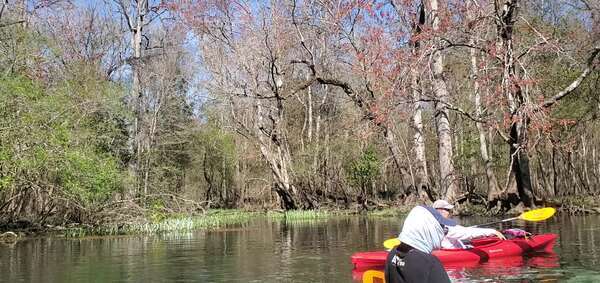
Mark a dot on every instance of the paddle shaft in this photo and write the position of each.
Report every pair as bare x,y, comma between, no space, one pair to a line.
499,221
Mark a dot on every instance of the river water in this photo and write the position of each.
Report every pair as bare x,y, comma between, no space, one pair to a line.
265,250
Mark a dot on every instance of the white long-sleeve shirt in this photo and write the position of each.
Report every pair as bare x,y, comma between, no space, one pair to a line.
421,230
457,234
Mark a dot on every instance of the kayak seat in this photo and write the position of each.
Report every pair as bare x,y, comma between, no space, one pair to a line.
373,276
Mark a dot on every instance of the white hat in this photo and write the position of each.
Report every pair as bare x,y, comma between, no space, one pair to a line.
440,203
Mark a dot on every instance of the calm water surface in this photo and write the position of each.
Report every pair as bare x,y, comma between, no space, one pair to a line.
275,251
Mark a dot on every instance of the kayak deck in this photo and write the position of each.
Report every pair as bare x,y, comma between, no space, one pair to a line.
483,250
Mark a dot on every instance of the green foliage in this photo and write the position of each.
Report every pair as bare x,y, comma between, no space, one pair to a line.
215,153
364,169
468,150
157,211
294,215
17,48
581,102
212,219
52,137
5,182
170,157
89,177
219,146
390,212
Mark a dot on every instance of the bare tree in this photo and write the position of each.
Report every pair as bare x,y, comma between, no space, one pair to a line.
138,15
422,182
493,190
516,93
442,97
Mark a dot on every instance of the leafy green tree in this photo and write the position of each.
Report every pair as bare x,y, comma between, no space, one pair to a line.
363,170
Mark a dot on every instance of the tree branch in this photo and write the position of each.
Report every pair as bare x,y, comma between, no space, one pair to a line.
503,135
456,109
125,14
345,87
10,24
576,83
451,44
302,41
4,2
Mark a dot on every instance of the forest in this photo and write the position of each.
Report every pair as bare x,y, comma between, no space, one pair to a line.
120,110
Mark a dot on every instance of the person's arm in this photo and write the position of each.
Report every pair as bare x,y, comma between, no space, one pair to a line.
467,233
451,243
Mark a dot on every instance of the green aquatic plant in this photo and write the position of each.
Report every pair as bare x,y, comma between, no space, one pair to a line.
298,214
388,212
213,219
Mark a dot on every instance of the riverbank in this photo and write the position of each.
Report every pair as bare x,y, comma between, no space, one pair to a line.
211,219
222,218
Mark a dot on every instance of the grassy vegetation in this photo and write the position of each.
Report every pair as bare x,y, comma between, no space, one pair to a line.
389,212
578,204
300,214
303,216
213,219
218,218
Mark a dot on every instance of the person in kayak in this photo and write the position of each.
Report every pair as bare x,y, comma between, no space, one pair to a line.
412,261
457,234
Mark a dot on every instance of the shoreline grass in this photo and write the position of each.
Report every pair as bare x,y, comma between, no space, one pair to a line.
300,214
221,218
211,220
389,212
218,218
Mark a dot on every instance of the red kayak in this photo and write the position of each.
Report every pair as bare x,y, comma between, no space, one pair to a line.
502,266
483,249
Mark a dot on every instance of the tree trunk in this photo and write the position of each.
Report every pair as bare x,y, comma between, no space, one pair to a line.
492,182
421,176
421,182
584,159
273,147
318,142
543,175
595,167
392,142
554,173
309,104
136,24
520,171
448,180
520,163
207,176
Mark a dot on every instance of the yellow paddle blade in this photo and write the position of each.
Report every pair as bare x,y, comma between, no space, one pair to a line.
538,214
373,276
391,243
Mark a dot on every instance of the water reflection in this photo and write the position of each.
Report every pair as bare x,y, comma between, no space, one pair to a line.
508,269
278,251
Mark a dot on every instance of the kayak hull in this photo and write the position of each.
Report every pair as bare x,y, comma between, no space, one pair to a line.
483,250
502,266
